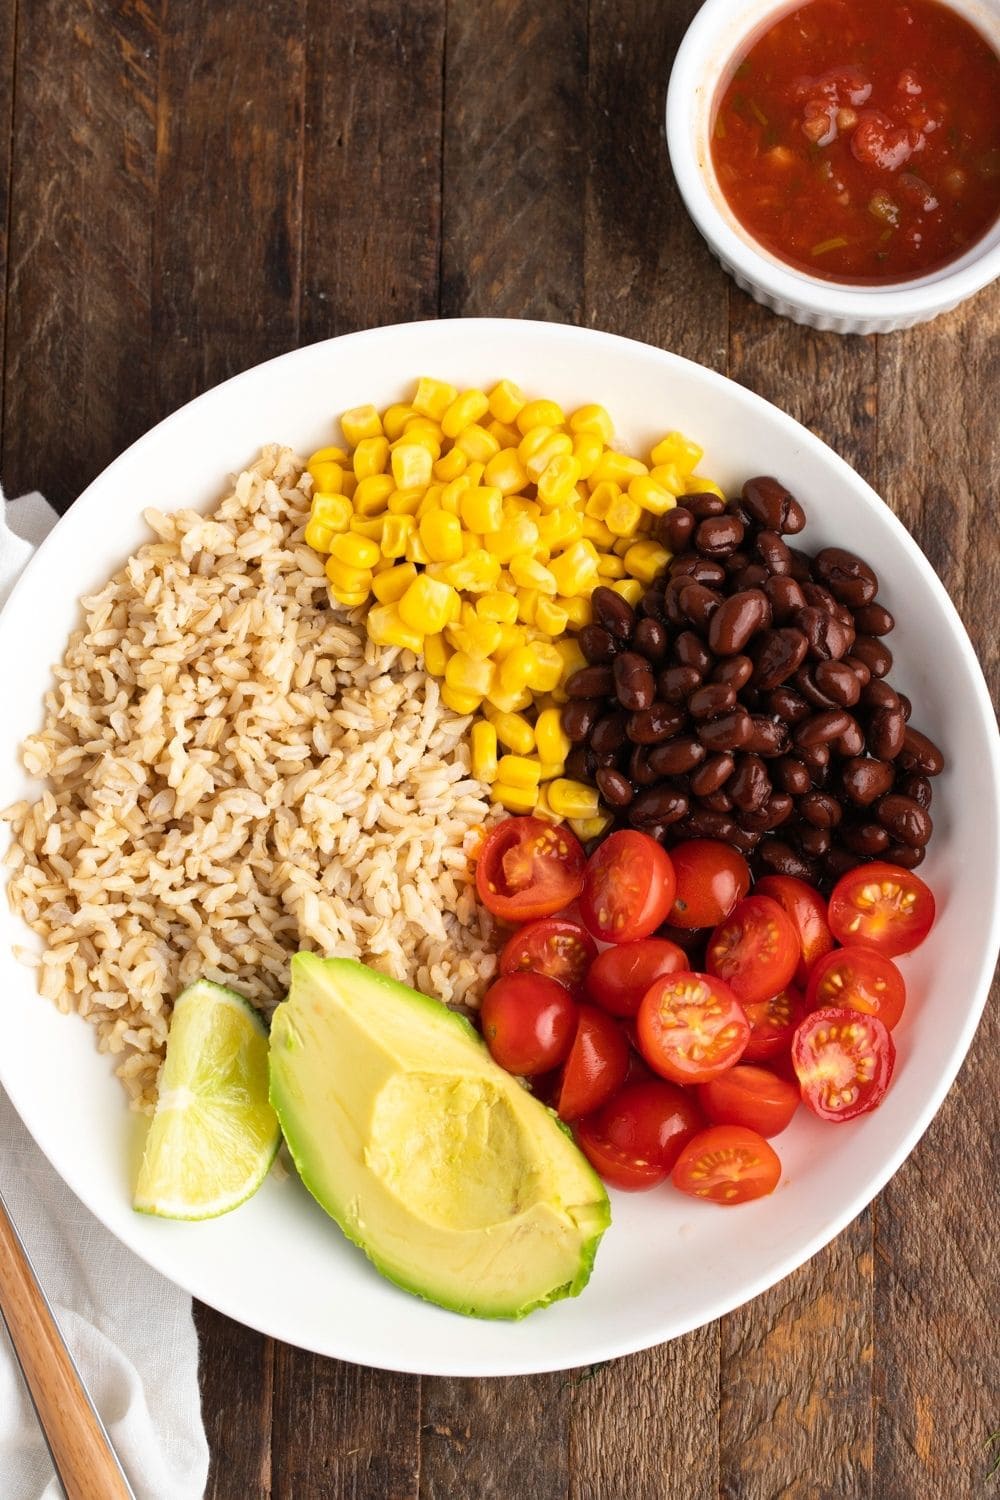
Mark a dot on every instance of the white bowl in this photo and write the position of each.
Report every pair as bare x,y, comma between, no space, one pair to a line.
667,1264
720,31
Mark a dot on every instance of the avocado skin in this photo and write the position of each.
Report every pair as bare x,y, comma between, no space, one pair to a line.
328,989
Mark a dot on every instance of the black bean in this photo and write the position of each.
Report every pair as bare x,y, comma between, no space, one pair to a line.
791,775
782,859
676,528
736,562
873,619
703,823
776,655
838,862
753,576
591,682
677,756
735,670
775,554
691,651
727,732
821,728
816,758
865,838
874,653
879,694
801,565
865,779
820,809
660,804
906,856
698,604
578,719
651,605
917,787
814,842
749,786
768,502
633,681
712,774
598,645
578,763
818,597
704,504
905,705
776,810
650,639
829,638
737,620
698,570
711,700
787,704
717,536
675,684
920,754
804,682
837,681
717,801
852,741
652,725
850,580
886,733
639,769
906,820
786,597
768,736
613,612
615,788
608,734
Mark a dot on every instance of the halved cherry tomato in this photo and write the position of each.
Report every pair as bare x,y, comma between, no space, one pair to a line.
711,878
755,950
772,1025
691,1027
596,1065
750,1096
843,1061
528,1023
561,949
883,907
628,887
528,868
807,910
727,1164
634,1139
862,980
620,976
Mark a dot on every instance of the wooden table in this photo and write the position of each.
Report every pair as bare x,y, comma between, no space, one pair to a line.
191,187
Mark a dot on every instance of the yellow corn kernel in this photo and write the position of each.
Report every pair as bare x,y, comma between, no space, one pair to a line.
589,828
349,483
481,509
630,589
578,610
511,636
331,510
548,770
520,505
371,457
541,453
370,527
484,751
652,497
678,450
624,516
441,534
465,675
411,465
474,472
542,668
432,398
550,738
516,799
390,586
506,400
404,502
387,627
645,560
477,444
475,573
573,799
542,809
587,450
356,551
595,419
361,423
558,527
478,638
602,497
509,700
697,484
326,475
348,579
436,654
395,418
318,536
571,658
350,600
519,534
372,494
518,770
497,606
514,731
395,534
459,702
669,477
598,532
449,466
619,467
423,436
540,414
426,605
575,570
506,472
528,573
610,566
332,454
557,481
550,616
416,552
527,603
507,437
622,545
462,411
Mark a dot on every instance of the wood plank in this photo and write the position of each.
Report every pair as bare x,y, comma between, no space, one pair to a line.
236,1370
226,261
8,18
495,1439
514,161
77,349
342,1431
372,172
796,1363
649,275
937,1365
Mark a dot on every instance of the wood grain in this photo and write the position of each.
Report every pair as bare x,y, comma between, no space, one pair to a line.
236,1368
81,223
8,29
495,1439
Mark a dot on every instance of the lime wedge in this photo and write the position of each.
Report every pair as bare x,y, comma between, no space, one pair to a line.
214,1135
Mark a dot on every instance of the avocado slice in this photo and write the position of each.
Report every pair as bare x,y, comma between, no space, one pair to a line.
456,1183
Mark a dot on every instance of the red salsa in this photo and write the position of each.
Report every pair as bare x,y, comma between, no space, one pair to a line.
859,140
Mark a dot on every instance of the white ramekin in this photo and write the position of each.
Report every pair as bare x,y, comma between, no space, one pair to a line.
720,30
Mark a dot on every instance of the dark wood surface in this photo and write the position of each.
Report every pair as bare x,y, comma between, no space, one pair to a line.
190,186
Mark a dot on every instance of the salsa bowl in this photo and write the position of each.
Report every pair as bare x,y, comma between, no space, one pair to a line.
667,1264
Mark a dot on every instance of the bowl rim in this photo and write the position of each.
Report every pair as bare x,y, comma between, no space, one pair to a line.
586,341
695,75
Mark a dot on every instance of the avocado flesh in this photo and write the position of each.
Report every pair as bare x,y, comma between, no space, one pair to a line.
456,1182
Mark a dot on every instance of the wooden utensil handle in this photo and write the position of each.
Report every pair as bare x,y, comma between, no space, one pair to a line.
83,1456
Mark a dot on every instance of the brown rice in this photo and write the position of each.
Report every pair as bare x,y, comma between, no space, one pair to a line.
234,772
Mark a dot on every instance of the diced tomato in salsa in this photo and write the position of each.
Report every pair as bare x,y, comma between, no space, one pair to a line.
860,141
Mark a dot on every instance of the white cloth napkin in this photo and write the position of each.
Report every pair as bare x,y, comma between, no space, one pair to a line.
130,1331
